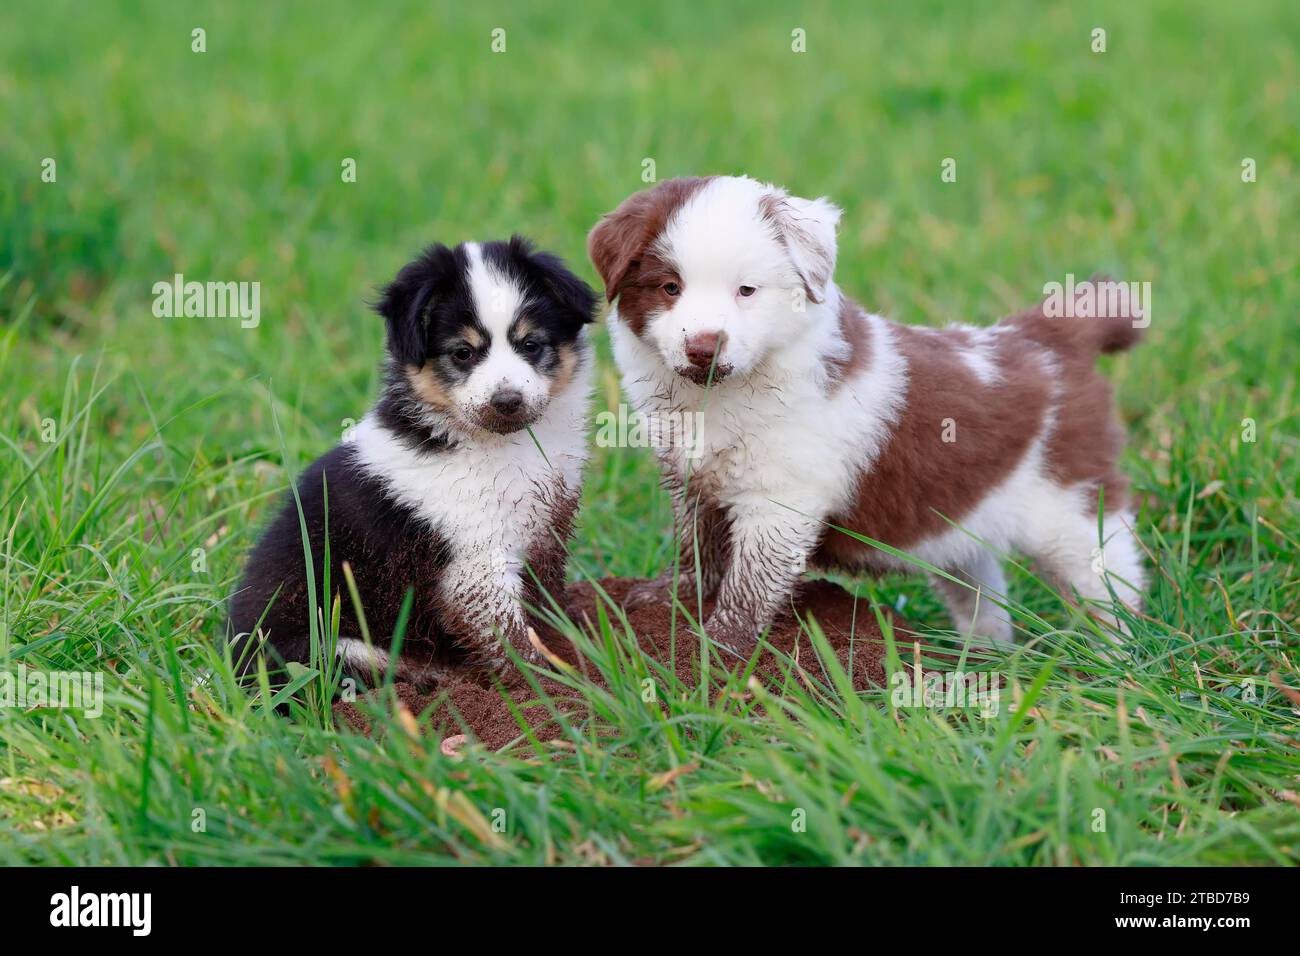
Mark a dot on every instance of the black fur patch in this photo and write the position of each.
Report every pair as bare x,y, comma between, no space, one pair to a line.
387,546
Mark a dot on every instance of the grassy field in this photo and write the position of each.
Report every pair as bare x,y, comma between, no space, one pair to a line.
138,455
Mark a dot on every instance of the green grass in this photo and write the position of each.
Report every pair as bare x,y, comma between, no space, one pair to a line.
226,165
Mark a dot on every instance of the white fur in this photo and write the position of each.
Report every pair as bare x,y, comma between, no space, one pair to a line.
776,433
782,452
364,659
359,657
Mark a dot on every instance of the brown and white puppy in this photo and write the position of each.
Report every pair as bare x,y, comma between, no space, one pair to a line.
460,484
953,445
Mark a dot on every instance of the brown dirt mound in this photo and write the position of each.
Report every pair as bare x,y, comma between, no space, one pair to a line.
848,622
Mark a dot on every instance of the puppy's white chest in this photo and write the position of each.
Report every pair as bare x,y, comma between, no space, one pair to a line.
761,448
486,502
492,502
730,462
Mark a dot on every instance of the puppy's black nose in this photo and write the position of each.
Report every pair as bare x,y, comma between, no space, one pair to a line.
507,401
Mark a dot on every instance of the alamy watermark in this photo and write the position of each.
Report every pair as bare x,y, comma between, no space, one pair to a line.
133,911
628,428
947,690
66,690
208,300
1098,299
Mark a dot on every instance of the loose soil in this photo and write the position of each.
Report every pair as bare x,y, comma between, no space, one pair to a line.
848,623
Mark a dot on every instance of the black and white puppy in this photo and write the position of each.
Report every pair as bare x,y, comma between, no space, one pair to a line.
460,484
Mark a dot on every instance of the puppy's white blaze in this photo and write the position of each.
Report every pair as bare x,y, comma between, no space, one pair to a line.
498,301
503,367
720,233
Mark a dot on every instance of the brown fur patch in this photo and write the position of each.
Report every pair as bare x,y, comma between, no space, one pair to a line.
619,243
569,358
857,336
522,327
919,479
1086,443
1082,336
427,388
643,294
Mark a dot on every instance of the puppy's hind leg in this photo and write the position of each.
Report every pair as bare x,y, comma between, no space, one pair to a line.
369,664
1077,559
974,604
1121,558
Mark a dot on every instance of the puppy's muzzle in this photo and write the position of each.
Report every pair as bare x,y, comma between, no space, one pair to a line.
507,402
704,353
506,411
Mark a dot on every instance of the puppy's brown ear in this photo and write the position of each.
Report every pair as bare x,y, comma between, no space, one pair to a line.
618,241
807,226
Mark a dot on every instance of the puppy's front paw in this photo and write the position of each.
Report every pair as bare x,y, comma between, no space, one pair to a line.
646,594
527,652
663,589
491,657
732,634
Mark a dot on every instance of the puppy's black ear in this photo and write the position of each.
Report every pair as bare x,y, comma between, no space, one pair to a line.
575,297
404,303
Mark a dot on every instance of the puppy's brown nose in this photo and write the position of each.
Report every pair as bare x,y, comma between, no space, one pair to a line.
701,348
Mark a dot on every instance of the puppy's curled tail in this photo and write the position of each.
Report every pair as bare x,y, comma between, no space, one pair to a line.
1114,323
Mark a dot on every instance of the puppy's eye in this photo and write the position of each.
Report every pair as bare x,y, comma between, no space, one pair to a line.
530,346
671,288
746,290
462,354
